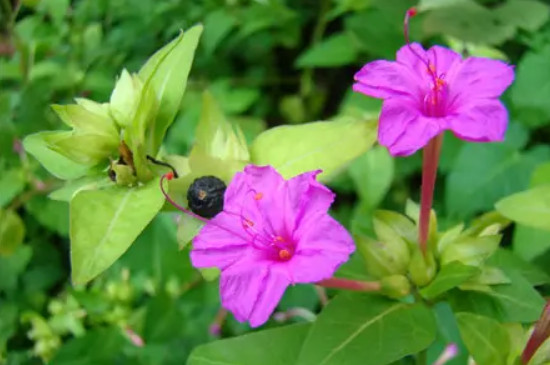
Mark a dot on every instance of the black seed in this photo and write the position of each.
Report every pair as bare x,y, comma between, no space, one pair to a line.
205,196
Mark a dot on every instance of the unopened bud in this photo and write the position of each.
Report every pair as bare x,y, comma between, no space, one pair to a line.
384,258
395,286
422,268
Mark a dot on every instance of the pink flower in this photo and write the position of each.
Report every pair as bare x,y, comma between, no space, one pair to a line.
427,92
272,233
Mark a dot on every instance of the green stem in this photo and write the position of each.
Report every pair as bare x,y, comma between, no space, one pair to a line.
347,284
430,161
422,357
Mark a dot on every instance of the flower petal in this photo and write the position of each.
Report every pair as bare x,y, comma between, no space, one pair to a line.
483,121
384,79
252,295
220,242
404,130
445,60
322,245
313,197
479,77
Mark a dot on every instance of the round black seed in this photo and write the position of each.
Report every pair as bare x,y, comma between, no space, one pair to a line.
205,196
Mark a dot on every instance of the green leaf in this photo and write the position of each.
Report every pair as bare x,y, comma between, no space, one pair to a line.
12,182
470,250
329,146
531,207
337,50
11,267
469,22
484,173
486,339
367,329
57,164
529,242
125,98
531,91
163,320
449,277
217,25
188,227
372,174
514,302
220,148
104,223
527,14
270,347
166,73
508,261
50,213
12,231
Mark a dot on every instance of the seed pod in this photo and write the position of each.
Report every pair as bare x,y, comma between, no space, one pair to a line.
205,196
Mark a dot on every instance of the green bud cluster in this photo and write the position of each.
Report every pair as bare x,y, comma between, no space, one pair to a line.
393,255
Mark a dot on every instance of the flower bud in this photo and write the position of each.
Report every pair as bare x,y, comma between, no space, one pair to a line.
422,268
384,258
395,286
471,251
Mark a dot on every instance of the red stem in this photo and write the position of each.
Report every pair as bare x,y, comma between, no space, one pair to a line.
348,284
429,174
539,335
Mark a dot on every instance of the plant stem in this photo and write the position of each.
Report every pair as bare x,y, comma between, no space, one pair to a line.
348,284
429,174
539,335
422,357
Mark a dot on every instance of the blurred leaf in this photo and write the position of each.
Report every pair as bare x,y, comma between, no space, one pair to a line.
484,173
368,330
450,276
57,164
531,91
50,213
372,173
107,345
508,261
469,22
12,266
320,145
376,31
97,240
12,182
527,14
486,339
529,242
248,349
12,232
514,302
530,207
337,50
233,99
217,25
163,320
470,250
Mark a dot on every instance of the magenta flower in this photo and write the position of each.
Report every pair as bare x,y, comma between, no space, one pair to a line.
271,233
427,92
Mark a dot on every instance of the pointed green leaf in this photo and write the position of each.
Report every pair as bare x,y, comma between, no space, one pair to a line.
270,347
363,329
486,339
57,164
220,148
124,98
166,73
104,223
86,121
531,207
329,146
450,276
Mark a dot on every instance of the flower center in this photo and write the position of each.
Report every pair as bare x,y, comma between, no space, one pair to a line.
434,100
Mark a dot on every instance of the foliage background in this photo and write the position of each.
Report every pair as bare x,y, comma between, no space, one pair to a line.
267,62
